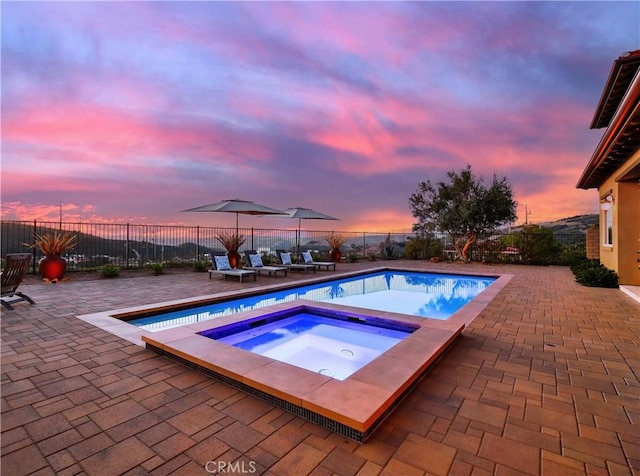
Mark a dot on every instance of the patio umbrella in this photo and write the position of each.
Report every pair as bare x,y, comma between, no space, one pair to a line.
302,213
238,207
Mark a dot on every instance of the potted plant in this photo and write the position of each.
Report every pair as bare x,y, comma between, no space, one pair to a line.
232,243
52,245
335,240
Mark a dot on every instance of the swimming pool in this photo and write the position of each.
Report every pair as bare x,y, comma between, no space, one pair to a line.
377,387
429,295
330,343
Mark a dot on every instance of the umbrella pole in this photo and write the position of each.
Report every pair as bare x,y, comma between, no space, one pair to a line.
298,240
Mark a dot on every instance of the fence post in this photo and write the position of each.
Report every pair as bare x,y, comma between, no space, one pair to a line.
126,258
364,244
33,253
198,243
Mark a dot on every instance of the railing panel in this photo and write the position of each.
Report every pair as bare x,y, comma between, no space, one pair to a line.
135,246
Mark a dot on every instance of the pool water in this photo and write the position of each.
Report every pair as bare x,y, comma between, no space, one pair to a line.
320,343
431,295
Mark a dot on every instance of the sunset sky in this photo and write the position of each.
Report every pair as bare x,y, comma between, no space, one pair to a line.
134,111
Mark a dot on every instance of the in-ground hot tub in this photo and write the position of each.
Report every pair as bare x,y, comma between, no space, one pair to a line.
330,343
352,402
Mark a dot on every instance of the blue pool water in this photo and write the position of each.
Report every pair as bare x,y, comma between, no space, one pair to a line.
325,342
436,296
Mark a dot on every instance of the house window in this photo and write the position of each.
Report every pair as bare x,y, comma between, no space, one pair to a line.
606,207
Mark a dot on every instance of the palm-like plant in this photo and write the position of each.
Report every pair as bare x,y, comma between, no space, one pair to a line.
53,244
231,241
336,240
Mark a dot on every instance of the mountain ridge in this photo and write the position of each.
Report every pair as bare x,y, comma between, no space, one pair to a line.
577,224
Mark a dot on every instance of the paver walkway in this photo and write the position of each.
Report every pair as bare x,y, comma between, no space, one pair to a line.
544,381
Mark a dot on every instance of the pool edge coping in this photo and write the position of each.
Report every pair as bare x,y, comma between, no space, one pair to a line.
363,419
377,387
113,320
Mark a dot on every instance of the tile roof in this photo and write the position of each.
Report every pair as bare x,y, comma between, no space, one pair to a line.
619,111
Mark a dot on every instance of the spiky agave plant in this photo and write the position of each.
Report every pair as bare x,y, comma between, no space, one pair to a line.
231,241
335,240
53,244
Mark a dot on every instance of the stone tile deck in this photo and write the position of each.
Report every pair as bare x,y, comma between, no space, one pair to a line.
544,381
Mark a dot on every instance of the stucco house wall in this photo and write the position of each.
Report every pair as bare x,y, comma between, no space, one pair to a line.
622,255
614,169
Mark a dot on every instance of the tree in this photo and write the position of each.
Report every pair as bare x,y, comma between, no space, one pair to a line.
464,207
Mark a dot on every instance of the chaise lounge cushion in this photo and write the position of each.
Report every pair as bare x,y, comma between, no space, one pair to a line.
222,263
308,260
285,258
256,261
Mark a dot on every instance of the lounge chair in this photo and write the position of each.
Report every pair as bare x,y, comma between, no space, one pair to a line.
308,259
221,266
12,276
254,263
285,259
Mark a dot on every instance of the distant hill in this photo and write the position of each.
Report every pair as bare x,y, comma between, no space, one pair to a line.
568,226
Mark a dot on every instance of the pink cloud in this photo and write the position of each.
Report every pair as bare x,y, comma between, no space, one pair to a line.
138,110
383,219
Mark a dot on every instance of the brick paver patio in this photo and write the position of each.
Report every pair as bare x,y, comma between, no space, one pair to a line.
544,381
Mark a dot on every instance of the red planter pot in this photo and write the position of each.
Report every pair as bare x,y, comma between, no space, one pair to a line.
335,255
52,267
234,259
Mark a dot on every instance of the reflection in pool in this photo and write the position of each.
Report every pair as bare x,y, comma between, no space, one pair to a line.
436,296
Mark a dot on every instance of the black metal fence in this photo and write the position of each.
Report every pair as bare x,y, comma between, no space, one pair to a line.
135,246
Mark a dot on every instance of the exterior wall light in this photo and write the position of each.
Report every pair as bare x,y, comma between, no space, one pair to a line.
605,203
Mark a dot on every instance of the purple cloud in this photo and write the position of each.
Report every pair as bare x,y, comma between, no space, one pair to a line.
134,111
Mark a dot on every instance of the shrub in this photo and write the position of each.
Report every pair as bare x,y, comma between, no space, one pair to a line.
537,245
572,255
110,270
423,247
201,266
594,274
491,251
267,259
389,250
353,257
177,263
317,256
157,268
